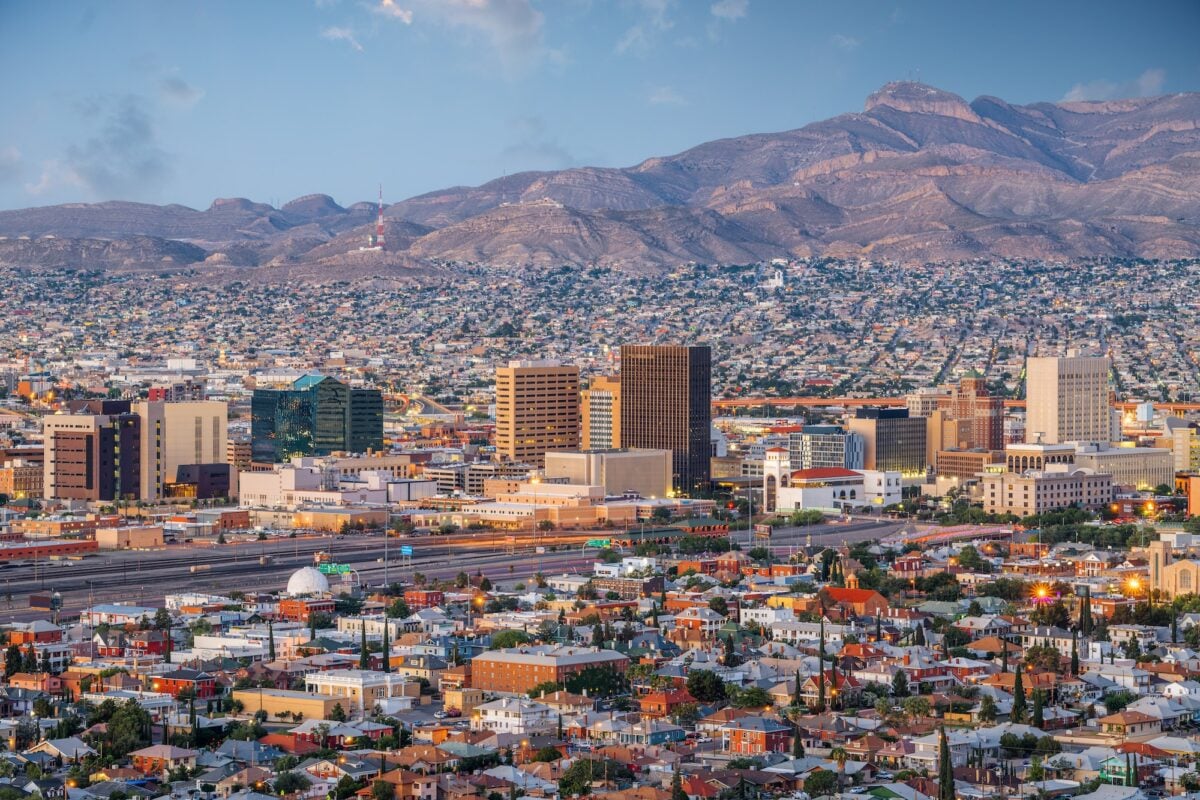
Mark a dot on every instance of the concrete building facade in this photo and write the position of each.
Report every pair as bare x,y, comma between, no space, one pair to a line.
1067,399
537,410
645,472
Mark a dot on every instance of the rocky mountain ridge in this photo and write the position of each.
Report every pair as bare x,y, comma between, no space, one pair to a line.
919,175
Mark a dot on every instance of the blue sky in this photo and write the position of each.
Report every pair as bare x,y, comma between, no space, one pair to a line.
188,101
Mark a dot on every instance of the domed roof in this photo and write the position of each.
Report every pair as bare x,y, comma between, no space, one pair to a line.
307,580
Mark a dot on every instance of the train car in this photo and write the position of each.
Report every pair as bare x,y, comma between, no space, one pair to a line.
200,568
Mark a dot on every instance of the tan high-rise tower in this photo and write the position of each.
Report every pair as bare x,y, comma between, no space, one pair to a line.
1067,400
176,435
600,409
537,410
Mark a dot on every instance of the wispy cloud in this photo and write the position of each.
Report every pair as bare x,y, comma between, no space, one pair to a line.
844,42
1147,84
653,18
666,96
122,159
514,29
11,165
340,34
389,8
536,149
176,90
730,9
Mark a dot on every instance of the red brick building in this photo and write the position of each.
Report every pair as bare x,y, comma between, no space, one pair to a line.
299,609
418,599
201,683
518,670
752,736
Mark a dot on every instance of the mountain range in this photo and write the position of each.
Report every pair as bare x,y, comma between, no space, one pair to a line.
920,175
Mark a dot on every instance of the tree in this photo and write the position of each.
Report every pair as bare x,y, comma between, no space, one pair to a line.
1019,706
1086,621
290,782
705,686
510,637
969,559
1074,653
987,709
12,661
820,782
596,682
900,684
1039,718
945,768
382,790
577,780
719,605
399,609
338,714
485,584
797,744
364,655
730,657
162,619
752,697
916,707
677,792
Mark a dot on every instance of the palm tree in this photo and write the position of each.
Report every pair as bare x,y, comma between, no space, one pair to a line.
840,755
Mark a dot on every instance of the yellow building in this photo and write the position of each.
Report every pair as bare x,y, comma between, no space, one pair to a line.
280,701
537,410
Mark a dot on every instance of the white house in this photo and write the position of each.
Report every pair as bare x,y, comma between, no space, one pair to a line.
519,716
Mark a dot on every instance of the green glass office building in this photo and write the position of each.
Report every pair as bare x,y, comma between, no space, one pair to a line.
316,417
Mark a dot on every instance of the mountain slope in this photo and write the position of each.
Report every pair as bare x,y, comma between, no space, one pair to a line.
919,175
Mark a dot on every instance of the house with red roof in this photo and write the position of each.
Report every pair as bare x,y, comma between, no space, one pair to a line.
859,602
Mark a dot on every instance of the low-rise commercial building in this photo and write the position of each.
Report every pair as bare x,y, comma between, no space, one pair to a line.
517,670
1035,492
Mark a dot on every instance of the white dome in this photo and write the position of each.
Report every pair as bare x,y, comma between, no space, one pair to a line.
307,580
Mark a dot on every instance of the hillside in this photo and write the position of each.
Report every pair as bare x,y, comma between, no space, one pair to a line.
919,175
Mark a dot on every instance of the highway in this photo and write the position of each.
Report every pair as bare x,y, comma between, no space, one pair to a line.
144,577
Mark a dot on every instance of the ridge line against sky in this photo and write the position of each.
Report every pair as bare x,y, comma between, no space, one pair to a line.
189,102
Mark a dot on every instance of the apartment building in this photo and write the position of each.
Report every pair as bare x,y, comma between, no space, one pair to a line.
517,670
537,410
600,413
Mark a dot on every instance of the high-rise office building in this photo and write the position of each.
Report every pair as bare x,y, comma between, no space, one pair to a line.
600,412
179,434
93,455
967,417
316,417
666,404
892,440
537,410
1067,400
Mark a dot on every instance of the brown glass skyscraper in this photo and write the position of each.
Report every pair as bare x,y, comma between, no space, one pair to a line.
666,404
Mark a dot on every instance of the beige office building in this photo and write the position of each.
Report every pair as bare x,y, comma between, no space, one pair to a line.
1138,468
178,434
600,410
1067,400
537,410
1035,492
1185,446
646,472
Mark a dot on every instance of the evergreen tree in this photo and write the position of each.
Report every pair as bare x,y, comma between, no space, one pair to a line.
1003,655
1085,612
1019,706
878,629
271,640
364,656
796,701
677,792
945,768
797,745
821,670
1074,654
387,649
919,637
1039,718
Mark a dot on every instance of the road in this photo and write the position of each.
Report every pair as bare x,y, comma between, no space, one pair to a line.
143,577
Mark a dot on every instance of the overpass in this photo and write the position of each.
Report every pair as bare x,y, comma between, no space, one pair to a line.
899,402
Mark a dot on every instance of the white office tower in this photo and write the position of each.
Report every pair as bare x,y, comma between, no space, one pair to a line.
1067,400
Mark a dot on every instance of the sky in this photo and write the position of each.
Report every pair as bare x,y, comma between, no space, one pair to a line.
185,102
